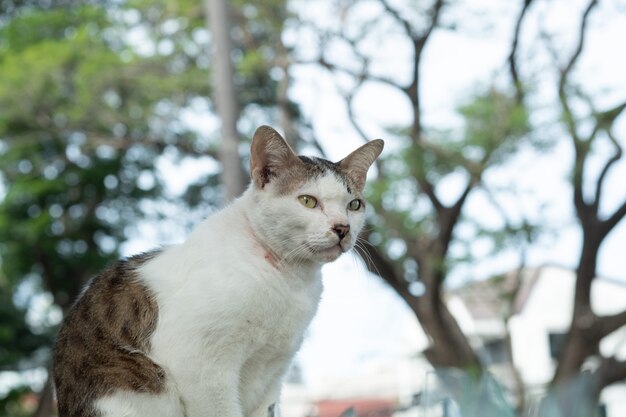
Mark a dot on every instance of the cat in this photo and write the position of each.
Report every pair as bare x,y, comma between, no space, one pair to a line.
210,326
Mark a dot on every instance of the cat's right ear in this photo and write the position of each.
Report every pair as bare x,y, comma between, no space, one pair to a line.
269,154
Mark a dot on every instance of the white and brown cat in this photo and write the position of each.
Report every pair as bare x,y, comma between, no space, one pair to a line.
209,327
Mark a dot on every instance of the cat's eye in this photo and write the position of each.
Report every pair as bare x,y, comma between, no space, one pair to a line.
354,205
308,201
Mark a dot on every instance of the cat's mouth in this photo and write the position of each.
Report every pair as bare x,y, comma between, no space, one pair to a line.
330,252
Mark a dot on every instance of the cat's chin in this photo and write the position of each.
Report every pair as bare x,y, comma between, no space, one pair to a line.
329,254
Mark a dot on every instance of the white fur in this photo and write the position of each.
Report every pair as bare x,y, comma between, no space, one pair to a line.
134,404
235,299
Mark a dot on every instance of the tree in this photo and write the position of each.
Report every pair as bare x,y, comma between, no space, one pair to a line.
415,227
82,119
495,124
91,100
260,75
218,18
587,329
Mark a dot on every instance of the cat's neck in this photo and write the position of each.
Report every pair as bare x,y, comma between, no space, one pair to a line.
248,205
245,209
268,253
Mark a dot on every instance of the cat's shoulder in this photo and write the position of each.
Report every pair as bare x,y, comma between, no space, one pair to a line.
115,287
123,272
105,339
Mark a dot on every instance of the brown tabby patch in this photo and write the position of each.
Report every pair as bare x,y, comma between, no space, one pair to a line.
310,168
103,342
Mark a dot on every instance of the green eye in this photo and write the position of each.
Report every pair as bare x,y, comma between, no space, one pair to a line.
354,205
308,201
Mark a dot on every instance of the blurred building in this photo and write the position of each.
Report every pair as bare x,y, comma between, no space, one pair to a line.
361,407
534,308
522,316
379,389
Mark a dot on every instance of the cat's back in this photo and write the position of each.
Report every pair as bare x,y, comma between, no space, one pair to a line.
104,339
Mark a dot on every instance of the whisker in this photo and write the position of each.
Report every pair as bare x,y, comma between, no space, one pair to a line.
366,256
294,253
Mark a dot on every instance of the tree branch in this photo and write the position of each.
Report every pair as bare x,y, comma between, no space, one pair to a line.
413,89
581,147
579,46
450,217
615,218
607,167
406,25
519,91
429,190
412,92
363,75
605,325
565,72
435,13
351,116
610,371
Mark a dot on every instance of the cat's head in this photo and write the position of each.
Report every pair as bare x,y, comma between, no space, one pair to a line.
307,209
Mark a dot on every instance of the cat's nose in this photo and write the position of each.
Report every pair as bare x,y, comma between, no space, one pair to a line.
341,230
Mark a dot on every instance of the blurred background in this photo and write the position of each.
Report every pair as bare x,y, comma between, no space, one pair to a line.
491,279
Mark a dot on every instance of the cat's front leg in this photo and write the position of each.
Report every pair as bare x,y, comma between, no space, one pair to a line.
271,399
264,410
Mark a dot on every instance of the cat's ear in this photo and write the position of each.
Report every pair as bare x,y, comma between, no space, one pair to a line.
269,154
358,162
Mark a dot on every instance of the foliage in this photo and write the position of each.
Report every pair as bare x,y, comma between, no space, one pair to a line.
83,118
77,125
495,127
11,404
17,339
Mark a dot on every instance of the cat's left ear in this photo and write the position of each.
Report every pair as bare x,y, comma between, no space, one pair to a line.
358,162
269,155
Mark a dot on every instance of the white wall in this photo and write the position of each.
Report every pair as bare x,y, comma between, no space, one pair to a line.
549,309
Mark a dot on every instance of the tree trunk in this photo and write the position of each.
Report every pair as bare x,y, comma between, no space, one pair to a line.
224,94
285,110
449,346
46,405
581,341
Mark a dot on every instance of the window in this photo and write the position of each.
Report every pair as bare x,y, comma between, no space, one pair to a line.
557,340
494,351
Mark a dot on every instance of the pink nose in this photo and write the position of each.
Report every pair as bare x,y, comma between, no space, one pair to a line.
341,230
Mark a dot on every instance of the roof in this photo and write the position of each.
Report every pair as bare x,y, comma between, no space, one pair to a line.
363,407
507,294
491,298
